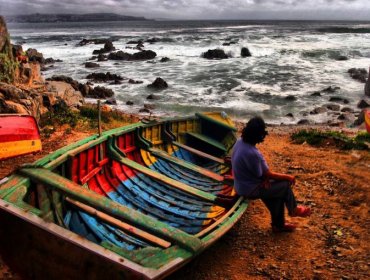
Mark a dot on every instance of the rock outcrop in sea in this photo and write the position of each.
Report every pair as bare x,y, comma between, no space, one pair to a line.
215,54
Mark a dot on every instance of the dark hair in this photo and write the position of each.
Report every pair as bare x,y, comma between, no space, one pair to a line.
254,131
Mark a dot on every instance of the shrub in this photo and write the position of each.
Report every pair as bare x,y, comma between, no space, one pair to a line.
337,139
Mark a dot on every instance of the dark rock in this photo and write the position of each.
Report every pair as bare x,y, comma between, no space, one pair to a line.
120,55
333,107
290,98
245,52
91,65
303,122
131,81
152,40
330,89
215,54
93,57
115,82
339,99
363,104
144,110
104,77
344,117
159,83
34,55
347,109
149,106
143,55
360,119
316,93
17,50
61,78
318,110
51,60
111,101
108,47
84,42
140,46
290,115
100,92
164,59
226,44
342,58
84,89
133,42
367,85
102,57
130,103
152,97
359,74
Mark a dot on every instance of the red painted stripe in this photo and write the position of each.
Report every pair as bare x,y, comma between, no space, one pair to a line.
18,128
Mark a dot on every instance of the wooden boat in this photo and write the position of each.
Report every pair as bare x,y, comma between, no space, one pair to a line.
367,120
19,135
137,202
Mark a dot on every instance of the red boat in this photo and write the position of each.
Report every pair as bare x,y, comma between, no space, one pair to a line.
19,135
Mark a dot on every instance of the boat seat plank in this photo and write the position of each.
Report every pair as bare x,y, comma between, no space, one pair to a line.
124,226
205,172
207,140
164,179
198,153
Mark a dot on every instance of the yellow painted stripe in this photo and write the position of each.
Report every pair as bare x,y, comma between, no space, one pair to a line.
14,148
215,212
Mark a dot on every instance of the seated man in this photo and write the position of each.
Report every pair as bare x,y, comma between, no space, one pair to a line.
253,179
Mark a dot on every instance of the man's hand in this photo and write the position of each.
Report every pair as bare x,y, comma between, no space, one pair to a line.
266,184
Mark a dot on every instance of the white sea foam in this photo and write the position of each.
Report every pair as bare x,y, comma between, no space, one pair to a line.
286,61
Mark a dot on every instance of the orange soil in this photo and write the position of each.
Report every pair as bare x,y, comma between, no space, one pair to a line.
332,244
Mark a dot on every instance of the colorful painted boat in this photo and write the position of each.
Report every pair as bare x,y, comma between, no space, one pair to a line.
137,202
367,120
19,135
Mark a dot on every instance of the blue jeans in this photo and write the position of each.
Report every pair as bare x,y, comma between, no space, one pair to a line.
278,195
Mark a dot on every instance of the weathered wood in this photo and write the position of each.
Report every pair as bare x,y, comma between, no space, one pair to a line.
187,165
198,152
124,226
207,140
74,191
166,180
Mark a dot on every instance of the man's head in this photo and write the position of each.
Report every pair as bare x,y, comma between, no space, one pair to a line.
254,131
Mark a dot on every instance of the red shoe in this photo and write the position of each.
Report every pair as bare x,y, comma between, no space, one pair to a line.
301,211
288,227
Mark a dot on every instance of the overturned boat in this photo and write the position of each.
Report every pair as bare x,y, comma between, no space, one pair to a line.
138,201
19,135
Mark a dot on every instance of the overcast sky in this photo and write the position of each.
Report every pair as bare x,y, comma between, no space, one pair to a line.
200,9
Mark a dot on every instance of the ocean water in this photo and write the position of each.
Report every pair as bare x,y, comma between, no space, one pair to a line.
291,58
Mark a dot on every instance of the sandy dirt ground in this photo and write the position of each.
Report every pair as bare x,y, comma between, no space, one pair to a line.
332,244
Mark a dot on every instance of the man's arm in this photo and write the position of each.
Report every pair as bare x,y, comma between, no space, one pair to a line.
279,176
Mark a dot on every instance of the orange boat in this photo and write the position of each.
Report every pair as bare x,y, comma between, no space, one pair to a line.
19,135
367,120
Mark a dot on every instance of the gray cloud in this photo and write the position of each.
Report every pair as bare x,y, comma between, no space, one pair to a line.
196,9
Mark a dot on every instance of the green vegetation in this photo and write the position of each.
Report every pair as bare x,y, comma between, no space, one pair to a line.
85,119
332,138
7,67
61,114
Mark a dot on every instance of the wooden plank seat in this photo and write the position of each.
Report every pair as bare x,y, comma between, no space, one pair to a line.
207,140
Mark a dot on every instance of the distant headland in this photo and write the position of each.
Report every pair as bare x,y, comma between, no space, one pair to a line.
30,18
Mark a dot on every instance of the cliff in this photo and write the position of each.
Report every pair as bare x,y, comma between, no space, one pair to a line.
8,64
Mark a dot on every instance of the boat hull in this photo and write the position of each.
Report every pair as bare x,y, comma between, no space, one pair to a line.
141,201
19,135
